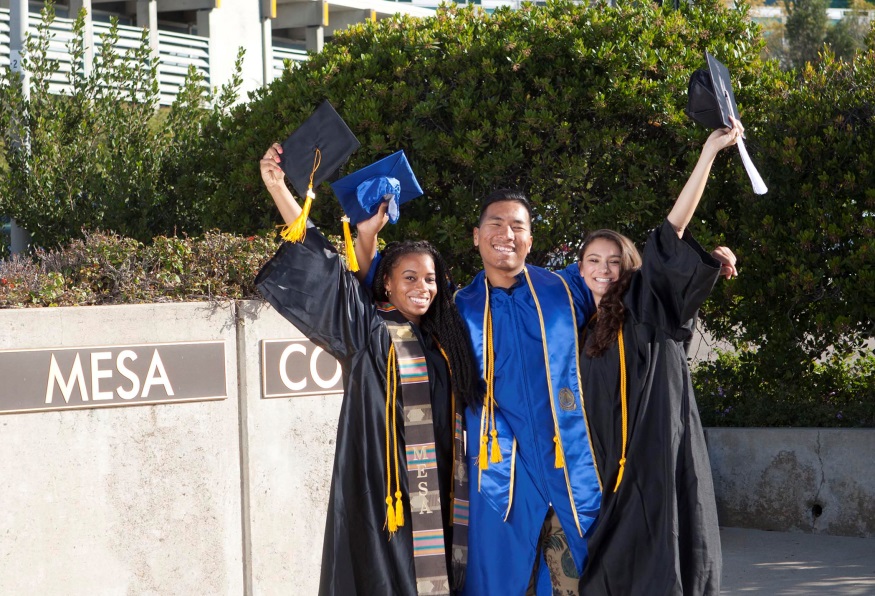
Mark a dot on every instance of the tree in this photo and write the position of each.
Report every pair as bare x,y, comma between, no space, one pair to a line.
102,155
805,29
848,36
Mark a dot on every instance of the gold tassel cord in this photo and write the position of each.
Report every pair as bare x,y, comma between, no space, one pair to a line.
453,418
297,230
391,523
495,456
489,452
560,457
399,507
351,260
623,406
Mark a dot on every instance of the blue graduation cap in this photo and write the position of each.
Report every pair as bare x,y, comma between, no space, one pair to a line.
390,179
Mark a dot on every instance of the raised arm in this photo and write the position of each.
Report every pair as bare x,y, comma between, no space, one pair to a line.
688,200
366,240
274,180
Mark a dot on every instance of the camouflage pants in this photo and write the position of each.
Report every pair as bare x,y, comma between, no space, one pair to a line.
563,573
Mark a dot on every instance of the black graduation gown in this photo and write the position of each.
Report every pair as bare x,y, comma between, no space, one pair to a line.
309,286
658,534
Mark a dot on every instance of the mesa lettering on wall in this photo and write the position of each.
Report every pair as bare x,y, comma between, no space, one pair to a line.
101,376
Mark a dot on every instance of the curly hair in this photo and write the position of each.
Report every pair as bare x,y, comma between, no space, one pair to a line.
611,312
442,320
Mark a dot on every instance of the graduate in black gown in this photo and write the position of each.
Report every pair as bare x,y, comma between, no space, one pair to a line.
374,510
657,531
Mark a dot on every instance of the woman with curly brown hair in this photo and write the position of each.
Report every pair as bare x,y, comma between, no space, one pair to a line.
397,512
657,530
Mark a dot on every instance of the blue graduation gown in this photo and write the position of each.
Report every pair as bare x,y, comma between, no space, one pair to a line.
508,510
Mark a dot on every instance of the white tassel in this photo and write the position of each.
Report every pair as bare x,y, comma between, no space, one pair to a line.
759,187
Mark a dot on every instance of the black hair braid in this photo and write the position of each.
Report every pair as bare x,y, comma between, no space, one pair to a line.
442,319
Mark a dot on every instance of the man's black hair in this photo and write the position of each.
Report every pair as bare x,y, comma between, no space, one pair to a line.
505,194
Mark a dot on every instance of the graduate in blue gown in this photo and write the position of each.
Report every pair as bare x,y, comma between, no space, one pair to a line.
534,488
535,491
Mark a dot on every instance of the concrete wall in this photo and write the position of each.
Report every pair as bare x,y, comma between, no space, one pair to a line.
795,479
229,496
130,500
289,453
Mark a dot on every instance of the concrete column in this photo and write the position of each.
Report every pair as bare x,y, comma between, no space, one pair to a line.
268,14
18,14
203,22
267,50
75,7
147,18
315,39
19,240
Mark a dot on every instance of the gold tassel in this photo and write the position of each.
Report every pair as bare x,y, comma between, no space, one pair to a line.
560,457
399,509
620,473
297,230
390,517
496,450
351,260
483,459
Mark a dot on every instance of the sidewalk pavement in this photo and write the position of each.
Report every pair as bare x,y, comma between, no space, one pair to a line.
783,564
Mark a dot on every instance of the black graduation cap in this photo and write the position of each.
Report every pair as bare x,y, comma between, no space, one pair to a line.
389,179
710,99
323,140
711,102
311,155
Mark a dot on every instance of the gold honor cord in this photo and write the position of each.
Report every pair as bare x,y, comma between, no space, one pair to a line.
453,419
493,453
394,515
623,406
297,230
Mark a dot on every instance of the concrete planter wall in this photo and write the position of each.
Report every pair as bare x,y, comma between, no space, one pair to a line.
795,479
228,496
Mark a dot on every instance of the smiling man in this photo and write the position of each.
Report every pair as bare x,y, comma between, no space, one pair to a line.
530,458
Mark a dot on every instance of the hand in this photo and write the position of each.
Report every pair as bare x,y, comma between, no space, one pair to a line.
727,261
725,137
271,173
373,225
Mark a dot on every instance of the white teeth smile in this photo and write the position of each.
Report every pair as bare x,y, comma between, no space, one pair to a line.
603,280
504,249
419,301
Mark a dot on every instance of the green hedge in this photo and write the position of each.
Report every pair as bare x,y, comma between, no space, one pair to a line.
110,269
737,390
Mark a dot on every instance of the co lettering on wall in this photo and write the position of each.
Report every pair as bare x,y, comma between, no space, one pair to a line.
297,367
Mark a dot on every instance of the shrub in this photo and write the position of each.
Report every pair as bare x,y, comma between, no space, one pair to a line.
101,157
737,390
106,268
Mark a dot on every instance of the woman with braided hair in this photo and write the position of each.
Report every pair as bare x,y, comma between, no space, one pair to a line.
397,512
657,530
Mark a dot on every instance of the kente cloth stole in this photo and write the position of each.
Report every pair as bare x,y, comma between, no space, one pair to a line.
429,545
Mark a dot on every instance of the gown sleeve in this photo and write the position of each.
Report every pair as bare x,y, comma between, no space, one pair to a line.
584,304
676,278
308,285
